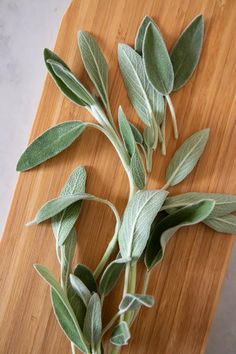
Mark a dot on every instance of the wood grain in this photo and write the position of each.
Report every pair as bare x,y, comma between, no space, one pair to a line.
187,283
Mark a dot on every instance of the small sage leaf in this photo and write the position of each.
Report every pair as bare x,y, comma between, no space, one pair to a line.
137,220
162,231
50,143
93,320
72,84
186,157
111,275
120,334
63,222
138,45
67,255
145,99
132,302
49,55
81,289
63,309
136,133
126,132
186,52
86,276
224,203
138,170
149,137
95,64
157,62
225,224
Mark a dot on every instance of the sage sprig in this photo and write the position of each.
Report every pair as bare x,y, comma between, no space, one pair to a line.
151,217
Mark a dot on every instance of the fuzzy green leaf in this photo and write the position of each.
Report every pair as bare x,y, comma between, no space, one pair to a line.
136,133
63,222
137,220
186,157
67,255
80,288
50,143
95,64
225,224
149,137
86,276
157,62
162,231
186,52
63,309
126,132
138,45
111,275
93,320
132,302
120,334
138,170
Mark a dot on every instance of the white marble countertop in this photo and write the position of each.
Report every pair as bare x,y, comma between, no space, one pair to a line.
26,27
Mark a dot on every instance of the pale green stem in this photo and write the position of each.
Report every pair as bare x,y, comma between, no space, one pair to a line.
73,348
131,288
111,323
163,132
172,112
149,159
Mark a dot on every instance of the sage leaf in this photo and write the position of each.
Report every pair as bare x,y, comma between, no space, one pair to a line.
225,224
50,143
111,275
93,320
162,231
136,133
138,170
126,132
149,137
55,206
63,222
186,157
132,302
145,99
72,84
67,255
63,309
186,52
95,64
86,276
157,62
81,289
49,55
121,334
137,220
224,203
138,45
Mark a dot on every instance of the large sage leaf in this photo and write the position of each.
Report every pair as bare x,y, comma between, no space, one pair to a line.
145,99
138,170
120,334
224,203
72,84
80,288
49,55
186,157
63,222
95,64
157,62
225,224
126,132
186,52
137,220
93,320
67,255
162,231
138,45
86,276
50,143
132,302
111,275
63,309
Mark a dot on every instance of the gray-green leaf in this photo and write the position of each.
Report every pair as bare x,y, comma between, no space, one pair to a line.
163,230
63,309
157,62
138,170
81,289
186,52
224,203
86,275
93,320
225,224
63,222
111,275
137,220
126,132
136,133
120,334
132,302
95,64
50,143
138,45
186,157
67,255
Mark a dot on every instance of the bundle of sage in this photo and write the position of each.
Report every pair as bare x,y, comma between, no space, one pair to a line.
151,217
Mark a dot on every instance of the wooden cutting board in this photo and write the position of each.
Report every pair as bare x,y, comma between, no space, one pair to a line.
187,284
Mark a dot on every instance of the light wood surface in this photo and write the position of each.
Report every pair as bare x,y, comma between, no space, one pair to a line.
187,283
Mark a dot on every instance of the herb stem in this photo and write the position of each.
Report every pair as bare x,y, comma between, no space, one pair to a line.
110,324
73,348
172,111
